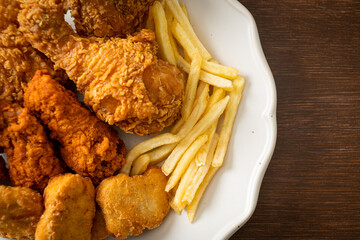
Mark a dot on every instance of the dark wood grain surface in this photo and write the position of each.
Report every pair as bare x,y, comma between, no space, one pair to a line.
311,189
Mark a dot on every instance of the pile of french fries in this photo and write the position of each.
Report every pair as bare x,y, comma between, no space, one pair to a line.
193,150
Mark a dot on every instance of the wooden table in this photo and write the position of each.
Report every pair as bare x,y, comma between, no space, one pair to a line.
311,189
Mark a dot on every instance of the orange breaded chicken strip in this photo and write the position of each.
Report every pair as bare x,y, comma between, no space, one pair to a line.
109,18
131,204
18,59
20,211
88,146
3,170
30,154
122,80
69,201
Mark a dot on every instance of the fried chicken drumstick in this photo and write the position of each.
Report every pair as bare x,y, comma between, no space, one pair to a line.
18,60
30,154
88,146
109,18
122,79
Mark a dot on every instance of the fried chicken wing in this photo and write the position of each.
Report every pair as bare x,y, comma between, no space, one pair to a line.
122,79
30,154
131,204
20,211
3,170
109,18
18,60
88,146
69,201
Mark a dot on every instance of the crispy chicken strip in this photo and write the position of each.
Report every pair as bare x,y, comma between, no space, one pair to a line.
3,170
88,146
20,211
109,18
30,154
131,204
18,60
121,79
69,201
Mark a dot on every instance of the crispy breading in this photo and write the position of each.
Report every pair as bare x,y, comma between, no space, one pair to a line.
30,154
109,18
115,75
20,211
131,204
69,201
3,170
18,60
87,145
99,230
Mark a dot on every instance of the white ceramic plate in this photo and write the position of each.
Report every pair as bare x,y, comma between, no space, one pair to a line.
229,32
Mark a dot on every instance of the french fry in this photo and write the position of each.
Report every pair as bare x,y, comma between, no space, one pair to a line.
145,146
177,204
140,165
205,76
183,8
180,35
204,123
162,35
200,161
230,114
192,207
181,17
150,24
218,93
200,173
184,162
220,70
161,153
191,85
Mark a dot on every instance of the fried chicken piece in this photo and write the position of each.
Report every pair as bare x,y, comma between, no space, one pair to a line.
3,170
99,230
69,201
18,60
20,211
122,79
131,204
109,18
30,154
88,146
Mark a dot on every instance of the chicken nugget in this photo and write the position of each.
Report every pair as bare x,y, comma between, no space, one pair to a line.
69,209
88,146
99,230
30,154
20,211
131,204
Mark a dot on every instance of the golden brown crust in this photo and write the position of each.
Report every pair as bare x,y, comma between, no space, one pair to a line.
109,18
88,146
131,204
99,230
111,73
20,211
69,201
30,154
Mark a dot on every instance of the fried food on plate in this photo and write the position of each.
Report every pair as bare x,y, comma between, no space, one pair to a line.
20,211
3,170
18,60
88,146
69,201
122,80
99,230
131,204
30,154
109,18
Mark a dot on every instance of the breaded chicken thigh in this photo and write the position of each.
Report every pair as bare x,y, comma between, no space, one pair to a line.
122,79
